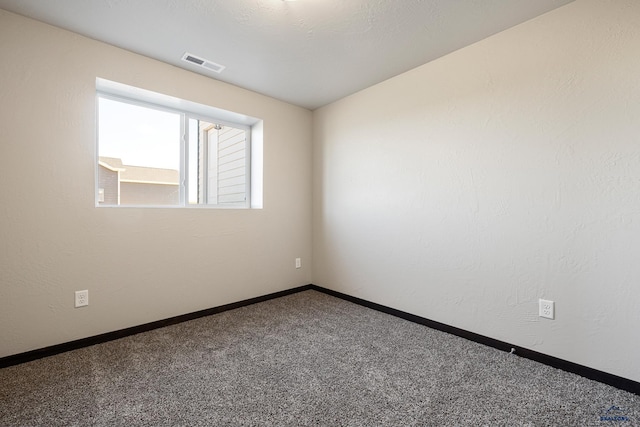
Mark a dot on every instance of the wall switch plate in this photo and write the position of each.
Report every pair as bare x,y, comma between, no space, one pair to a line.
546,309
298,263
82,298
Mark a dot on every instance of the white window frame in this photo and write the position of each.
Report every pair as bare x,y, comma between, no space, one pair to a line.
190,110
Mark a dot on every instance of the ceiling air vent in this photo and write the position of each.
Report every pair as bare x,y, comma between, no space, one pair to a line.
201,62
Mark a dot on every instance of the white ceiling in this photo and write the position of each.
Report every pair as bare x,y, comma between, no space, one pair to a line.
306,52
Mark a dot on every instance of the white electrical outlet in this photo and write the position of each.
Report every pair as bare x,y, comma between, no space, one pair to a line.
546,308
82,298
298,263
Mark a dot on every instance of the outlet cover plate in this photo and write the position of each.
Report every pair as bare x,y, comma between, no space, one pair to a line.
546,309
82,298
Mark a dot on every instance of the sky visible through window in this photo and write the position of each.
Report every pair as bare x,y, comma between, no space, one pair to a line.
139,136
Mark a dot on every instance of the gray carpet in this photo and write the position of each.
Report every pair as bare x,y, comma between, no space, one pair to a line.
306,359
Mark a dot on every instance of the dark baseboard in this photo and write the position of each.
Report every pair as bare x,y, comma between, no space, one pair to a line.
590,373
110,336
584,371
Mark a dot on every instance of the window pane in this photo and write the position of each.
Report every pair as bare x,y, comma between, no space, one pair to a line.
232,165
194,183
219,155
143,159
139,154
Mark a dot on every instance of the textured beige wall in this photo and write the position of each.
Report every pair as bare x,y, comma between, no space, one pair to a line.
139,265
466,189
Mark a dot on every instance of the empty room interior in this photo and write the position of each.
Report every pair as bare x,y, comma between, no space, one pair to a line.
474,166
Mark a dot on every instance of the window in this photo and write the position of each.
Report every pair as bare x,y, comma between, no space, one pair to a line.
156,150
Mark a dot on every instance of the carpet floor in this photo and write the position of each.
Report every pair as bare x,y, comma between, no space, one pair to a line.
306,359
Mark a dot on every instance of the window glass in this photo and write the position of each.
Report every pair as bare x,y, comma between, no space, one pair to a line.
217,163
150,155
139,154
